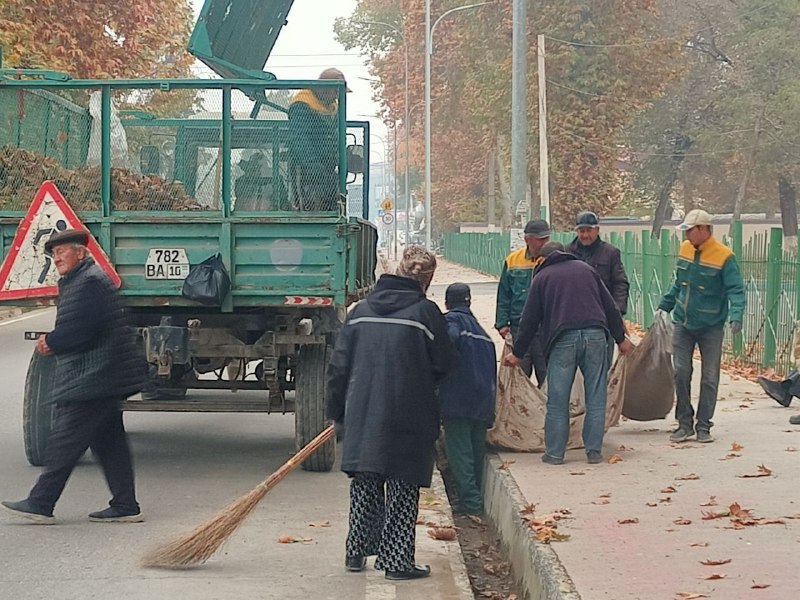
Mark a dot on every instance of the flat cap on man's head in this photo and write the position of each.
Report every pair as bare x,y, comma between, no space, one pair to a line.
334,73
457,294
537,228
68,236
693,219
586,218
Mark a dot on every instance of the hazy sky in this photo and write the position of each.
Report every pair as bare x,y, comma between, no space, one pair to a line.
307,45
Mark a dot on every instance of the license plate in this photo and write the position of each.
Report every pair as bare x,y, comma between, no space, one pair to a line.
166,263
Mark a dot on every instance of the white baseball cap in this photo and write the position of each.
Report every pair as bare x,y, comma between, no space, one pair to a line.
693,218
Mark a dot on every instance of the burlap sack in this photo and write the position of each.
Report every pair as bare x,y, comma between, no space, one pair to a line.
521,409
650,378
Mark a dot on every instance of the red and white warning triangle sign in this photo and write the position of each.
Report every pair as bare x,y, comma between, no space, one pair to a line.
27,271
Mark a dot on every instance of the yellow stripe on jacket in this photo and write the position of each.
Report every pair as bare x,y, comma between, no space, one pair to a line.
519,259
713,254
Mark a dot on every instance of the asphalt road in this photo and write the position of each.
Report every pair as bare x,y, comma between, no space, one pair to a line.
188,467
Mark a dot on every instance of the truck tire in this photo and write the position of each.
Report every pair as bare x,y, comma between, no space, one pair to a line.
38,408
309,412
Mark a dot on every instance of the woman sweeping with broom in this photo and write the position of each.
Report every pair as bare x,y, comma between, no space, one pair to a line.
391,353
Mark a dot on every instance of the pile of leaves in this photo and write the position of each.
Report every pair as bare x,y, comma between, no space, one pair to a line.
22,172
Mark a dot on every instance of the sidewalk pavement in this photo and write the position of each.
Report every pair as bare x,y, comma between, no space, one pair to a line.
637,528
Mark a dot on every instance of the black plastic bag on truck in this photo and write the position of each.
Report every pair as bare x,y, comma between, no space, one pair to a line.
208,282
649,377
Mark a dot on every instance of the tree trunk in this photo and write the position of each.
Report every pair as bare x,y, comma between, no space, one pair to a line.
748,172
505,191
535,198
681,144
787,195
490,170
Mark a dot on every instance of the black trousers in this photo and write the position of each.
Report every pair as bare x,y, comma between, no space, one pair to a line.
383,520
95,425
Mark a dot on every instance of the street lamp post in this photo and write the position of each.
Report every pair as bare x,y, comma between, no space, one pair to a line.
428,51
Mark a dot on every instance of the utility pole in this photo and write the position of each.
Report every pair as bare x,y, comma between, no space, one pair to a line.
428,45
544,166
395,190
519,104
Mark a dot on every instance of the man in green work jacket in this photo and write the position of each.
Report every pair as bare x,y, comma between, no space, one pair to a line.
512,291
314,146
708,291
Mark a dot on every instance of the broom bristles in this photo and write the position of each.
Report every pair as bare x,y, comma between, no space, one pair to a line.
200,544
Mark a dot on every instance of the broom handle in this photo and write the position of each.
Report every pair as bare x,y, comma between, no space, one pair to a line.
291,464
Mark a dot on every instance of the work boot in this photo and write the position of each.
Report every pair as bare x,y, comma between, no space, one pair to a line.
794,420
354,564
416,572
681,434
26,510
593,457
775,390
113,514
704,437
552,460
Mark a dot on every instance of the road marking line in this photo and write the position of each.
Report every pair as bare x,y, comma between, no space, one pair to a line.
36,313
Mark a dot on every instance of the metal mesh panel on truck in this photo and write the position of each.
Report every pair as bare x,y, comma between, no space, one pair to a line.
171,146
45,135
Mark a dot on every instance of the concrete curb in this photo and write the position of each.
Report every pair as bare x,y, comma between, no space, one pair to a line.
536,564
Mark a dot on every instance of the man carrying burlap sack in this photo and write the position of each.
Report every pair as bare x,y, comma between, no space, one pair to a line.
576,312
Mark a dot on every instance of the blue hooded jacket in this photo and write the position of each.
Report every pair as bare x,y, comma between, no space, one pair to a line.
470,391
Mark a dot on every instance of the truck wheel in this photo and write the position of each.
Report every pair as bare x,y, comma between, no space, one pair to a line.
309,412
38,408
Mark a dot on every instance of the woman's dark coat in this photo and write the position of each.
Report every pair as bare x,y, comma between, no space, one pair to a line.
391,353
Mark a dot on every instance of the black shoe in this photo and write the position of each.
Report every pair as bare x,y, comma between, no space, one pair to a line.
593,457
116,515
26,510
794,420
355,564
552,460
416,572
775,390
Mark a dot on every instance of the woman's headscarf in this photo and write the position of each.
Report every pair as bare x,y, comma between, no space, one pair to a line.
417,264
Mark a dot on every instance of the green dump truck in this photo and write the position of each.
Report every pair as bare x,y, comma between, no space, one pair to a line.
167,174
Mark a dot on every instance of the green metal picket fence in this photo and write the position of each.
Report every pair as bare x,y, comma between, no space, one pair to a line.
771,277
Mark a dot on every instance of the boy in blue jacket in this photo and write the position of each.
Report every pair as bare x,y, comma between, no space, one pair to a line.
467,398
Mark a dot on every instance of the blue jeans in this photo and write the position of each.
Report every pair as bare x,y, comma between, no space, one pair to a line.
709,340
585,349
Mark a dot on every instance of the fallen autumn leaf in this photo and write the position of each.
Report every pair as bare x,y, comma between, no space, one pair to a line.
682,521
689,477
712,501
759,586
446,534
715,563
714,576
320,524
614,458
736,447
628,521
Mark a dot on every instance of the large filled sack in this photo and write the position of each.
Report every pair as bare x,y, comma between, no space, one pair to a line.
521,408
650,378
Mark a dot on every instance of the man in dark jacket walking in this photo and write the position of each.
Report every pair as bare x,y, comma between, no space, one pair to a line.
391,353
601,255
96,367
467,398
575,312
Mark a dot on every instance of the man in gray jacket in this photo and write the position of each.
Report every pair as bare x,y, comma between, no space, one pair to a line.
96,366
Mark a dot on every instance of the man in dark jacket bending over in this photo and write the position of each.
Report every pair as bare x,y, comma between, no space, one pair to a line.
96,367
575,312
467,398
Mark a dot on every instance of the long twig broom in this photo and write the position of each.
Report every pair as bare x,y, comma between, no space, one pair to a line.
197,546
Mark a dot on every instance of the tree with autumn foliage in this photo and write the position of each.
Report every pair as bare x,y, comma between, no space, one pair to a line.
98,40
600,76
